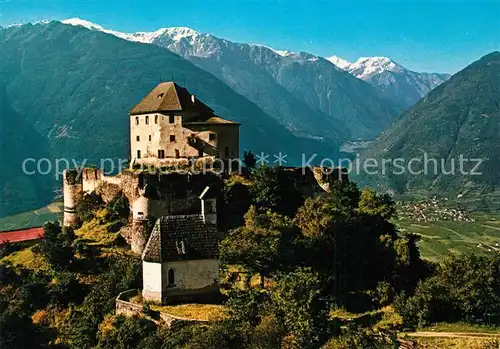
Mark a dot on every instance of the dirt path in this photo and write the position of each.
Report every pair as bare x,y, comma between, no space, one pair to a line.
453,334
490,226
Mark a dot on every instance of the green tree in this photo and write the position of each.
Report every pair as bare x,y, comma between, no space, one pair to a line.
347,237
129,333
373,204
249,160
88,205
118,208
57,245
260,245
299,301
66,289
464,288
272,189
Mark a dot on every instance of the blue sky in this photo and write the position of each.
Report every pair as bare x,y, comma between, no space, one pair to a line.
421,35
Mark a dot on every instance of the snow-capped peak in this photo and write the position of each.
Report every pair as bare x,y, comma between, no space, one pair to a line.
92,26
365,67
339,62
177,33
81,22
283,53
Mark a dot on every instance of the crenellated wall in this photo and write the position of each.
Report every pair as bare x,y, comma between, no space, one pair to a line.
91,178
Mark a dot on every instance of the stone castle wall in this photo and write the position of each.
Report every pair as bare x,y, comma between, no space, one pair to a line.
124,307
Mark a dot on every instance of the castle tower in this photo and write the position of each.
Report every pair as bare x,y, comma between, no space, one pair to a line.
141,213
73,192
170,126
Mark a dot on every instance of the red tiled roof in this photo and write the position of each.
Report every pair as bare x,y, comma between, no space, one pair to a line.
21,235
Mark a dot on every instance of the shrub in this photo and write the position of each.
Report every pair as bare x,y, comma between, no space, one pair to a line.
118,208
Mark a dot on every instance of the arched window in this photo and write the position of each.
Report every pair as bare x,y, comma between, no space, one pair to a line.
171,277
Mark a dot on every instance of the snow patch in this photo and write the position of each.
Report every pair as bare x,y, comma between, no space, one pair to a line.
339,62
366,67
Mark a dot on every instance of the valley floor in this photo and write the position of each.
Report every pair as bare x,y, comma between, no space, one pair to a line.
437,238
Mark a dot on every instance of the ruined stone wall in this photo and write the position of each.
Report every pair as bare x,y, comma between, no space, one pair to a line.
91,178
316,179
124,307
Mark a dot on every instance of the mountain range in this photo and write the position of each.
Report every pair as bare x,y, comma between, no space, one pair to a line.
67,92
395,81
460,119
64,88
304,92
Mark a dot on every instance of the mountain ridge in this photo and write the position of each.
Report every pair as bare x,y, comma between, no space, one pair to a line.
331,105
460,118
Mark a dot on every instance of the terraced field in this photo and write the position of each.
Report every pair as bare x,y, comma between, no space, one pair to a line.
34,218
440,237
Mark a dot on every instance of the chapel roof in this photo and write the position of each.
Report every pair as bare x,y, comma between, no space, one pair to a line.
181,237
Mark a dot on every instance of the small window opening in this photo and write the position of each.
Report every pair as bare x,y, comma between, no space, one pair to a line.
161,154
138,154
172,138
212,136
177,154
150,138
171,277
156,119
137,120
147,119
138,138
171,119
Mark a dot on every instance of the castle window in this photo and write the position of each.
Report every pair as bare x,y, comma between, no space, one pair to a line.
161,154
156,119
212,136
147,119
137,120
171,277
150,138
172,138
177,154
138,138
138,154
171,119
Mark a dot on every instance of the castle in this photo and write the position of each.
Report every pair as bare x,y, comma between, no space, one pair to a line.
171,128
170,125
